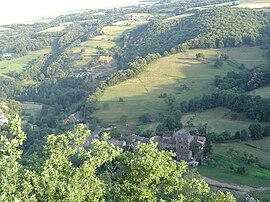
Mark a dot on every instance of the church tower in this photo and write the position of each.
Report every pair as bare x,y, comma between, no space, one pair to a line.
183,140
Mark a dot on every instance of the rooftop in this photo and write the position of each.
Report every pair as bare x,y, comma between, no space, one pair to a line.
183,134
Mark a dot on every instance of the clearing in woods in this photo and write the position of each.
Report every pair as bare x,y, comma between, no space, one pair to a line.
32,108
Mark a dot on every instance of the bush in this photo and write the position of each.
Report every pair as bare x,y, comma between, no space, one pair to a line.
200,56
121,99
123,119
145,118
241,170
105,106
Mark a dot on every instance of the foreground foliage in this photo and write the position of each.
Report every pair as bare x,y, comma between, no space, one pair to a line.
71,172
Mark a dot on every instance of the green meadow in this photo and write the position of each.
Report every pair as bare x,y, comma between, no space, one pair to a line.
18,64
218,120
263,92
110,37
255,176
169,75
249,56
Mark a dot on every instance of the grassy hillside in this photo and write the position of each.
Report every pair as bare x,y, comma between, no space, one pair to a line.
255,176
249,56
167,75
263,92
111,37
218,120
224,175
18,64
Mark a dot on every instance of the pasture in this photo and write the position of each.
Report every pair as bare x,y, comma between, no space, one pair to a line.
31,108
259,148
167,75
249,56
255,176
55,29
218,120
263,92
110,37
178,17
227,176
18,64
253,3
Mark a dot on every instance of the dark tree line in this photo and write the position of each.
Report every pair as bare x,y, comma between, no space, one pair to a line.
246,80
255,107
22,44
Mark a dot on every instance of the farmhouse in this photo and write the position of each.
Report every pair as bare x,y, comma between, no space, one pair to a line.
74,118
6,56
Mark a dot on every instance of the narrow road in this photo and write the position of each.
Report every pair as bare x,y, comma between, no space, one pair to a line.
240,188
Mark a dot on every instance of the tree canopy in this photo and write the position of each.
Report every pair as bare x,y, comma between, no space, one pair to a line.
70,171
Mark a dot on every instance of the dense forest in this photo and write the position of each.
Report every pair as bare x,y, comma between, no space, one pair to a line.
246,80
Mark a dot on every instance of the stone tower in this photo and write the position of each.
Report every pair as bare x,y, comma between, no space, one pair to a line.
183,140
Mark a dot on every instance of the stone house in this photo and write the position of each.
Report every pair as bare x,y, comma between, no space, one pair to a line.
179,142
183,140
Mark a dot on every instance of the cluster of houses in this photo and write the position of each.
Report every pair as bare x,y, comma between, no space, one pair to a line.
6,56
179,142
83,75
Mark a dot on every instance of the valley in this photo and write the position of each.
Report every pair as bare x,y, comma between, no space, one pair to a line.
141,73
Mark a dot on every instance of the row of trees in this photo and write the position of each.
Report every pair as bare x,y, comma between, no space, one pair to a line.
255,131
256,108
246,80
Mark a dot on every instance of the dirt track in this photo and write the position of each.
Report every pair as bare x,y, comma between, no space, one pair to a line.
239,188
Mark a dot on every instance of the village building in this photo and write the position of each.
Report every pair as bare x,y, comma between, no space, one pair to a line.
6,56
179,142
183,140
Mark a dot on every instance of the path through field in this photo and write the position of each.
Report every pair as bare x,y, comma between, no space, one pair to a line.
239,188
